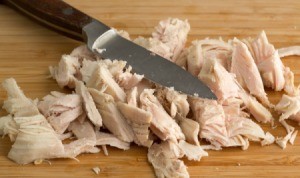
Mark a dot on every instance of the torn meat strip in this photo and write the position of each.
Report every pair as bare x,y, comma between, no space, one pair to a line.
224,85
35,140
82,130
83,145
289,107
82,52
245,127
127,80
269,139
190,129
89,105
162,124
258,111
221,82
115,67
173,33
61,121
173,101
210,115
289,86
60,109
3,121
102,80
268,62
17,103
111,140
246,71
192,152
224,130
132,97
8,127
140,122
66,72
211,49
289,51
233,107
194,58
164,159
113,120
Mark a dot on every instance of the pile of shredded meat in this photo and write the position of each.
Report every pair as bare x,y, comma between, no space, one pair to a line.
112,106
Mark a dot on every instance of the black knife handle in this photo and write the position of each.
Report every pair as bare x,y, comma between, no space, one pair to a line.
55,14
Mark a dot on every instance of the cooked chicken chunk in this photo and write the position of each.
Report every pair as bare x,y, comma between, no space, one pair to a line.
246,71
162,124
109,139
9,127
89,105
115,67
192,152
221,82
127,80
66,71
82,52
164,159
194,58
268,62
190,129
60,109
102,80
113,120
224,85
173,33
36,140
289,107
82,130
173,101
289,51
140,122
17,103
211,117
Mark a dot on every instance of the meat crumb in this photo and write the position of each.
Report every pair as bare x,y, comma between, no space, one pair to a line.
96,170
38,161
105,150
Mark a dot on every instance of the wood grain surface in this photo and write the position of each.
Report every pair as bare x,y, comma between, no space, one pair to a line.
27,49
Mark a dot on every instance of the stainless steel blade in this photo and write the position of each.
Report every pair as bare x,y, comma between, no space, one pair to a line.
143,61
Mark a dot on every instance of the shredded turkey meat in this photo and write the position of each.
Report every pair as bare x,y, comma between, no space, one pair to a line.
110,105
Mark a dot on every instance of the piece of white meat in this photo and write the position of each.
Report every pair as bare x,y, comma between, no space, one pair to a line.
268,62
162,124
103,80
164,159
112,118
89,105
111,140
173,33
139,120
66,72
246,72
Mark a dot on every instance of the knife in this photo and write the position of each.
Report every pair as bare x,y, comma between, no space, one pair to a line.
73,23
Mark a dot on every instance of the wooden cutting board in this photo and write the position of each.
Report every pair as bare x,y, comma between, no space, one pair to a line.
27,49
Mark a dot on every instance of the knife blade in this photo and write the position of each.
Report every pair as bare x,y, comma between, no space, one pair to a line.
71,22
